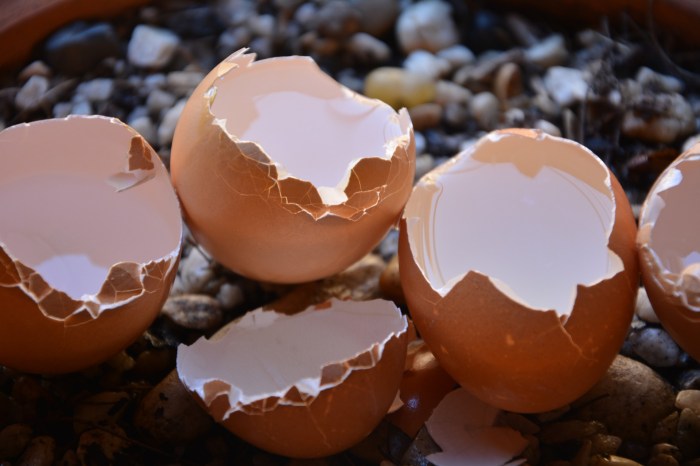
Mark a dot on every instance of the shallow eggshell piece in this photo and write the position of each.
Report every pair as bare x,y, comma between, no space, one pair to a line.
304,385
278,155
466,431
423,385
482,328
90,239
669,249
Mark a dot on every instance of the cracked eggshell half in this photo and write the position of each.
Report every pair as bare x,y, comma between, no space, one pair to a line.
519,266
304,385
278,155
669,249
90,238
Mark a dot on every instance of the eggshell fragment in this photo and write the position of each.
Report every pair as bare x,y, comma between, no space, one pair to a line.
278,155
304,385
89,241
518,263
467,432
669,249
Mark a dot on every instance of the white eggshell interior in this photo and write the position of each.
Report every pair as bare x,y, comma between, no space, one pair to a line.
533,214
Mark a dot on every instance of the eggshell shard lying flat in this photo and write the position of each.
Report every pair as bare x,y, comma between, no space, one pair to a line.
304,385
519,268
466,430
277,154
89,241
669,248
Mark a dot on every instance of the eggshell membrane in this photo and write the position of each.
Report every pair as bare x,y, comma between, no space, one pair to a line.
507,354
235,195
423,385
86,186
669,249
330,408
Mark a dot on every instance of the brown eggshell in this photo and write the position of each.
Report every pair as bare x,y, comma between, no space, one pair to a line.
234,194
424,384
81,187
306,385
502,351
668,234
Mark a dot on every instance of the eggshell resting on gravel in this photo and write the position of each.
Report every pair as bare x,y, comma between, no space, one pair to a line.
305,385
90,237
285,175
518,262
669,249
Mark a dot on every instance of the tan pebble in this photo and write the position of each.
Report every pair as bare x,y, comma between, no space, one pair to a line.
548,127
40,452
662,460
508,82
390,282
101,444
666,449
425,116
604,444
99,409
448,92
35,68
169,414
630,400
195,312
688,433
614,460
688,399
485,109
398,87
14,439
665,429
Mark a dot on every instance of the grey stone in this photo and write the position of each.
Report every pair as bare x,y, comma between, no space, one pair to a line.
656,347
79,47
194,312
368,48
548,52
566,86
151,47
31,95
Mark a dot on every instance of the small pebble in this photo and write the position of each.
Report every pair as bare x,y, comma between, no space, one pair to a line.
425,116
688,433
662,460
182,83
689,399
656,347
548,127
455,114
377,17
548,52
690,142
14,439
666,449
448,92
195,271
427,64
426,25
166,130
675,118
31,95
643,307
421,143
508,82
62,109
230,295
566,86
40,452
398,87
151,47
689,380
262,25
457,55
368,48
35,68
82,107
194,312
96,90
514,117
649,78
79,47
484,108
159,100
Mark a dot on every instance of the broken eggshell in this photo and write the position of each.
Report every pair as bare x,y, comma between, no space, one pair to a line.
304,385
89,241
519,268
669,249
277,155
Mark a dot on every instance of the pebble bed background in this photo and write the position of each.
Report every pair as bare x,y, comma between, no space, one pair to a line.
461,71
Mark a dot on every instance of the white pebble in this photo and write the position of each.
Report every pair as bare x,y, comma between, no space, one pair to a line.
650,78
565,85
81,107
31,94
62,109
230,295
484,108
368,48
158,100
154,81
514,117
457,55
182,83
262,25
426,25
305,15
166,130
548,127
195,271
427,64
688,399
690,142
679,120
450,92
548,52
421,143
96,90
145,127
656,347
643,307
151,47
